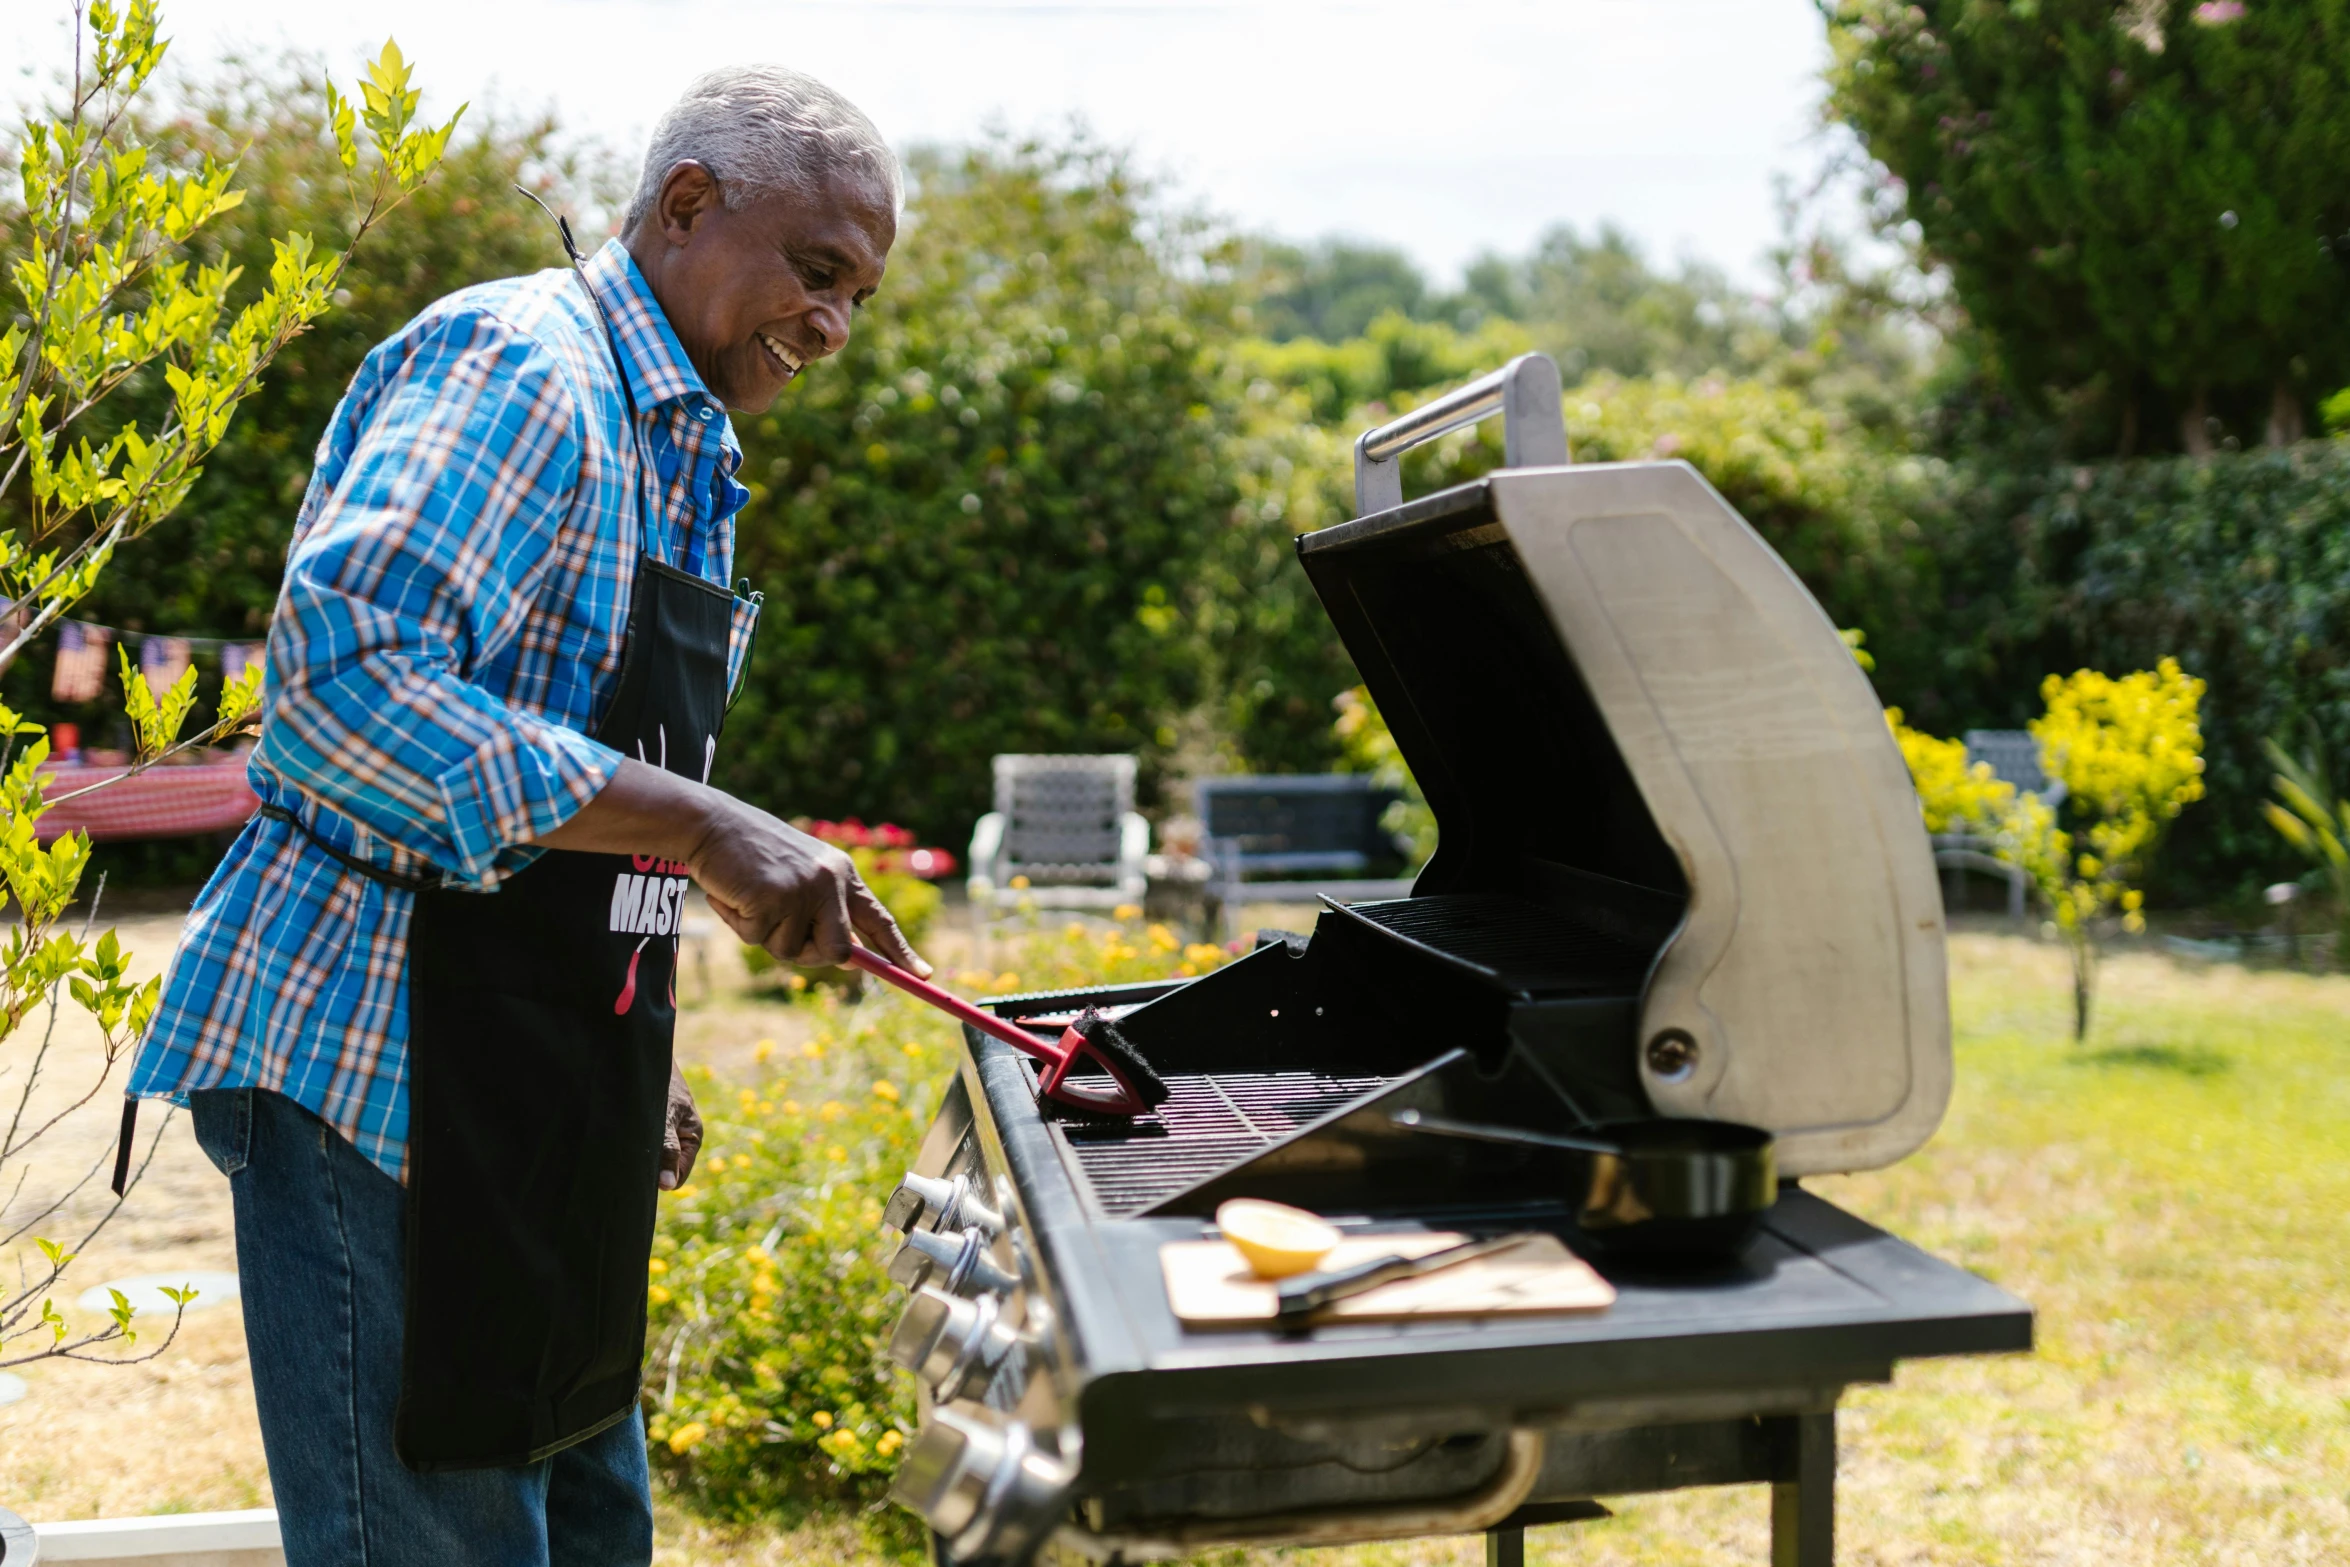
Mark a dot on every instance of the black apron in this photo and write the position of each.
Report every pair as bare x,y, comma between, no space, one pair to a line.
539,1029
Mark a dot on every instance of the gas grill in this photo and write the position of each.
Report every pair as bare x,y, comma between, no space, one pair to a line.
1680,872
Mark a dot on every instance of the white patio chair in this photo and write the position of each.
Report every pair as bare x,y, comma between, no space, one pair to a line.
1066,827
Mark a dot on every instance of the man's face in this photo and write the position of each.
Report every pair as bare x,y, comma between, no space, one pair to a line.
757,293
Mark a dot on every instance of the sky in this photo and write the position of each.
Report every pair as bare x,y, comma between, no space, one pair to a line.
1447,129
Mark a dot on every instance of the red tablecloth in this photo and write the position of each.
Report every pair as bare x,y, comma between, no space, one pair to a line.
162,802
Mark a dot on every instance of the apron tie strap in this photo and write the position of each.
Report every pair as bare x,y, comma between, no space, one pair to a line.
403,881
122,1144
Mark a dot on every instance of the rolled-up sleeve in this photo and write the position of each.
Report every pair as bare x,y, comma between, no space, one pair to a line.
414,575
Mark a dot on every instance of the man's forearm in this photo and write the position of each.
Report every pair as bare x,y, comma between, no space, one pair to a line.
643,810
774,885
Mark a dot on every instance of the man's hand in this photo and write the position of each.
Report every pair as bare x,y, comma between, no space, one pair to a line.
681,1138
777,887
795,895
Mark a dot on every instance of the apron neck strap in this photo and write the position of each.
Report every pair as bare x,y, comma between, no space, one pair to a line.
650,527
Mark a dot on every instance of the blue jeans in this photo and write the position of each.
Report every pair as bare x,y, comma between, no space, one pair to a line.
320,1266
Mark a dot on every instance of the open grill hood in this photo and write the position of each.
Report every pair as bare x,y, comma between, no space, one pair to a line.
1602,677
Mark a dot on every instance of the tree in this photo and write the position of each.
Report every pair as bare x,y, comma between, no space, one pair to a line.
108,298
1597,305
2140,204
1331,290
213,566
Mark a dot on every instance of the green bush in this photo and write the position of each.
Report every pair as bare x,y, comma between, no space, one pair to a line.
765,1382
2236,565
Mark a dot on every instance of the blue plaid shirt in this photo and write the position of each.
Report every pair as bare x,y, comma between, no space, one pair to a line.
449,633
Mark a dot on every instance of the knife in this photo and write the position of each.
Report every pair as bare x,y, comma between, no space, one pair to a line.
1308,1293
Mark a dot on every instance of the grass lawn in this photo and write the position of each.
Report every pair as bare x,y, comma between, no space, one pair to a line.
2174,1198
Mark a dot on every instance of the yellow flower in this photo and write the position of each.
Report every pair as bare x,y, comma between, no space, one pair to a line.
1019,884
886,1090
913,1050
1007,982
765,1107
1073,932
791,1107
797,982
890,1442
821,1419
837,1154
1127,911
715,1164
831,1110
683,1439
656,1295
657,1267
1203,955
762,1050
1162,939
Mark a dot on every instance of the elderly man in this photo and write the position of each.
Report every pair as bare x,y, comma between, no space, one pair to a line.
423,1012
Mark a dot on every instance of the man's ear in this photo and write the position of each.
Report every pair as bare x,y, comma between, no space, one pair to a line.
687,195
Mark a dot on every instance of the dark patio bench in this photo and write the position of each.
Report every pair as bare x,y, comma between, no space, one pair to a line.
1296,837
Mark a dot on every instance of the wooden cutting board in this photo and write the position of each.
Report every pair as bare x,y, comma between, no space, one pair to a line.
1210,1285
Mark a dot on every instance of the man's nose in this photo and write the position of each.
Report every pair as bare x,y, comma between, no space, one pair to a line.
831,321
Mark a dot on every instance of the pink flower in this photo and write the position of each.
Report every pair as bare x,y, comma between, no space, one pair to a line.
2219,13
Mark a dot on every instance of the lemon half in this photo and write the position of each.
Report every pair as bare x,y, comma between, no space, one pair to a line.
1277,1240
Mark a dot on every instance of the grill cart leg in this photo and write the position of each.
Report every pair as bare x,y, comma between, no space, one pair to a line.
1505,1548
1803,1497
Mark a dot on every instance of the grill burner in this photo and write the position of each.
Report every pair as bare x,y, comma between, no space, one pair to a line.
1211,1121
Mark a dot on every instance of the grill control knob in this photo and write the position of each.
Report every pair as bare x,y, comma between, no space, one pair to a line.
963,1348
957,1263
941,1204
982,1484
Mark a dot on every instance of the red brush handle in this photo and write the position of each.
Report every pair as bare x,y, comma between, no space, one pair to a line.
1058,1056
953,1005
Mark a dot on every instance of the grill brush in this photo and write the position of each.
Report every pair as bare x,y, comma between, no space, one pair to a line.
1092,1038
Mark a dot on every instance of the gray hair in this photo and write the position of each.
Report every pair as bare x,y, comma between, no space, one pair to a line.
762,130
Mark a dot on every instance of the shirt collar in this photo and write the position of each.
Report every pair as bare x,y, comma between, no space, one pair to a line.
651,357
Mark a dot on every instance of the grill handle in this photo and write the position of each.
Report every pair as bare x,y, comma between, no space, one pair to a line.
1525,392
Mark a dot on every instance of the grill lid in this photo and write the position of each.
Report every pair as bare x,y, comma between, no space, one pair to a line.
1602,672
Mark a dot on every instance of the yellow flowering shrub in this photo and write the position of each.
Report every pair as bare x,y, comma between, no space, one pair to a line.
2129,751
1954,796
765,1382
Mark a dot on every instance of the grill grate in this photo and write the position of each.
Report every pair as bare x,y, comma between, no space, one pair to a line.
1210,1122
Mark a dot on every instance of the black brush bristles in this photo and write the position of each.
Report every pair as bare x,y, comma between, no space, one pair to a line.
1099,1032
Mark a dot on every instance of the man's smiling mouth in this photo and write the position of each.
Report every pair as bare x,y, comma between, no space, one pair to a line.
785,360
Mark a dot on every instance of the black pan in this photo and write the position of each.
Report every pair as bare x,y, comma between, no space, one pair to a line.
1659,1189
